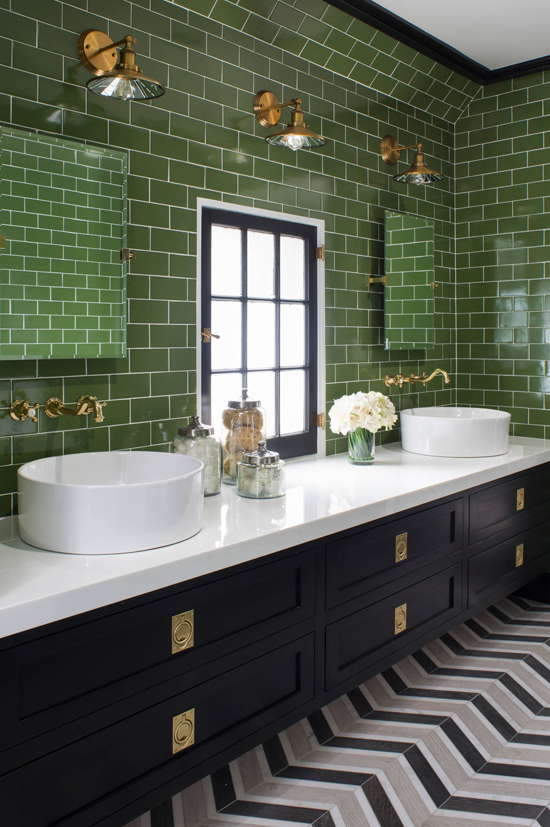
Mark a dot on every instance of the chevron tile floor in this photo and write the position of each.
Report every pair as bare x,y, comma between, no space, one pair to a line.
457,735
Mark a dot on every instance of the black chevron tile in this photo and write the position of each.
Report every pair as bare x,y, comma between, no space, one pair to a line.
333,776
476,628
516,770
538,667
359,702
521,694
544,818
493,654
485,674
369,744
510,809
325,820
453,644
275,754
424,661
499,614
463,744
443,694
163,815
518,637
279,812
531,738
427,776
320,726
381,805
407,717
494,717
222,787
396,683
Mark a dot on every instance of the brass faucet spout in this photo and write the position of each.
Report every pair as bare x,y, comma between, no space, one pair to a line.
85,405
414,378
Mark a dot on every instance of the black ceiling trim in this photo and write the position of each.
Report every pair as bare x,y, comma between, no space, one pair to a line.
389,23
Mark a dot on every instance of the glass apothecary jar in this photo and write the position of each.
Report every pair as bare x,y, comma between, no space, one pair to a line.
243,427
199,441
261,474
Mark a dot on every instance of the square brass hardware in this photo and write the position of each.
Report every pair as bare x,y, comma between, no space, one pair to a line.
520,499
183,631
126,254
320,420
401,618
320,253
183,731
401,542
519,555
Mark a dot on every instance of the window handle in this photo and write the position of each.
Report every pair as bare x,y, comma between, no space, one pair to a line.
207,335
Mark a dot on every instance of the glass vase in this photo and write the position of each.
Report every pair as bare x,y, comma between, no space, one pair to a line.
361,447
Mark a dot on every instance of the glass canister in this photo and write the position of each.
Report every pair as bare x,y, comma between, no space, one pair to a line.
199,441
261,474
243,428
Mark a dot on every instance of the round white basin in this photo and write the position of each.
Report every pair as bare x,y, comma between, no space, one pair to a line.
455,432
111,502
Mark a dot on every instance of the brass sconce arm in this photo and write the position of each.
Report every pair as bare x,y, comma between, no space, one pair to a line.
414,378
85,405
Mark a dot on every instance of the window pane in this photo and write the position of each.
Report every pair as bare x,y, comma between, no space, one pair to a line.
226,323
226,261
292,267
261,335
225,386
293,401
293,335
262,386
261,265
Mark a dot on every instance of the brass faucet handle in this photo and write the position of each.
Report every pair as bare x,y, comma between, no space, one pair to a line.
20,410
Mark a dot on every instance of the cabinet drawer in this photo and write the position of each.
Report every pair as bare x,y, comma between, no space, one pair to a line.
362,639
62,677
503,506
495,568
220,712
363,561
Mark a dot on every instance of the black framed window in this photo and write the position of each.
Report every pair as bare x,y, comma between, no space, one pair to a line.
259,295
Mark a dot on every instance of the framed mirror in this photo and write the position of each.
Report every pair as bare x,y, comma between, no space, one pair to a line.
409,282
62,280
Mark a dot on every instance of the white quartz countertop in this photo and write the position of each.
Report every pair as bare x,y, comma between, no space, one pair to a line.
323,496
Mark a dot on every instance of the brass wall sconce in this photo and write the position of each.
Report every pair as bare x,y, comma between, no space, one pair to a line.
418,172
294,136
122,81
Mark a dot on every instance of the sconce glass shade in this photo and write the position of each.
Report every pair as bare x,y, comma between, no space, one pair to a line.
121,81
294,138
122,87
418,172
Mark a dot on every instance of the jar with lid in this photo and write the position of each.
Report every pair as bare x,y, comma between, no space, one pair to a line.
199,441
243,428
261,474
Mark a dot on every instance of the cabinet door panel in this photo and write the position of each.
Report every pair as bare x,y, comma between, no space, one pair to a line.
503,564
62,677
360,640
360,562
229,707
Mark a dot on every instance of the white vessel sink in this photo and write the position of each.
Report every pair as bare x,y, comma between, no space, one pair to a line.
109,503
455,432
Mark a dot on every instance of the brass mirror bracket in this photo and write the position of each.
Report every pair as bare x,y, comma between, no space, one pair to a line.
20,410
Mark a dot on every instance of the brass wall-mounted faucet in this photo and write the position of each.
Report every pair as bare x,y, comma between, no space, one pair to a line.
414,379
85,405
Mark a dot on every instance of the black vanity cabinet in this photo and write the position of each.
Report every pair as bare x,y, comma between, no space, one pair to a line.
106,714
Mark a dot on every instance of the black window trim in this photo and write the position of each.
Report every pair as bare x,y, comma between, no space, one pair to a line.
307,443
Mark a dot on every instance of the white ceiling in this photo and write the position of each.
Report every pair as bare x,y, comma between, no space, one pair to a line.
495,33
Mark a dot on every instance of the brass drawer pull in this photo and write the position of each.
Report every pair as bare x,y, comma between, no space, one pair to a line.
401,542
183,631
401,618
183,731
520,499
519,555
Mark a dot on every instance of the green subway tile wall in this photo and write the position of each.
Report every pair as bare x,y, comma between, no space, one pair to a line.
201,139
503,252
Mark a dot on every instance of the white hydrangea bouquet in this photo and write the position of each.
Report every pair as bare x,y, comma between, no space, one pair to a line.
359,416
